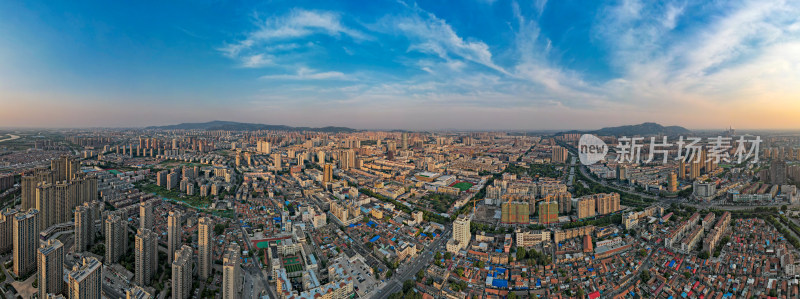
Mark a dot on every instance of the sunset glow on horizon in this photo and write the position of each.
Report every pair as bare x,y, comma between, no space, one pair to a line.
499,65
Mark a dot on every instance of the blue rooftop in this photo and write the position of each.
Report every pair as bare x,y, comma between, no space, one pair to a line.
500,283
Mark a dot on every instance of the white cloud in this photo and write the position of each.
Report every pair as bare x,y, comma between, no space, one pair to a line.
309,74
296,24
256,61
539,5
740,51
432,35
738,54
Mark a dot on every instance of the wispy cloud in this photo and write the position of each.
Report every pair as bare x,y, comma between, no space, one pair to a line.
257,61
309,74
675,65
662,60
539,5
430,34
296,24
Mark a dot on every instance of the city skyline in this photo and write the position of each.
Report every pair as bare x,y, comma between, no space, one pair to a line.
485,65
206,210
400,149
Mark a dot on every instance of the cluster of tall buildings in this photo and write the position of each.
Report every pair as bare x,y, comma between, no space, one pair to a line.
55,192
152,147
515,212
597,204
20,234
695,164
168,179
262,146
83,280
347,159
782,153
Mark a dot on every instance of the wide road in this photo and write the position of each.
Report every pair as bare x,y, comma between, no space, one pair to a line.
254,270
589,176
410,269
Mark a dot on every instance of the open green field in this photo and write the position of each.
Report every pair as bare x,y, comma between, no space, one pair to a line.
176,163
463,186
292,264
293,268
194,200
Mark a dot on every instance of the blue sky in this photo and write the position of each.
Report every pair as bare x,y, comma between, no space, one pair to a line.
471,64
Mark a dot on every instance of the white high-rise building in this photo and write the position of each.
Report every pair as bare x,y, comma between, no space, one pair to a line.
461,234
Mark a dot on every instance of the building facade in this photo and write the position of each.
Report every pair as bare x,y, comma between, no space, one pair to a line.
205,234
50,260
85,279
146,256
26,241
182,273
174,234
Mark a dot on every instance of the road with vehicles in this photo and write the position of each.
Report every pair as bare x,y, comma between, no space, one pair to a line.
409,269
254,270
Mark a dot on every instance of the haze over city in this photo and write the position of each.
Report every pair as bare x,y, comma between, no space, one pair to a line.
402,64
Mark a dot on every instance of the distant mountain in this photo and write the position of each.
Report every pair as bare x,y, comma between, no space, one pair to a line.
644,129
237,126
